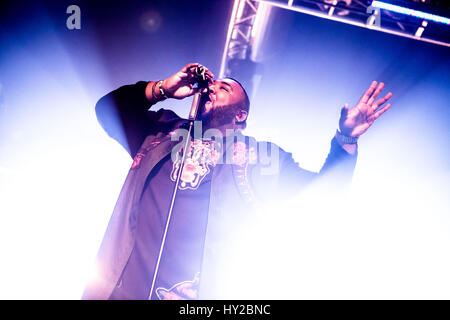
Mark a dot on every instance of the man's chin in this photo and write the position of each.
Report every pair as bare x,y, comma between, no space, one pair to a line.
206,120
214,117
203,114
205,111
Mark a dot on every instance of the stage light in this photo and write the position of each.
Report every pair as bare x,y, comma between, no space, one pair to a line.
150,21
411,12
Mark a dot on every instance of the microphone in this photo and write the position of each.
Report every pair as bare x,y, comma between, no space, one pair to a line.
202,82
200,77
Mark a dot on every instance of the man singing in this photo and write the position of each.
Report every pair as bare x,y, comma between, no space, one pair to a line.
224,177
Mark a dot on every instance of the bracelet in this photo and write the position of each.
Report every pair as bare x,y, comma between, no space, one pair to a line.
343,139
153,91
161,91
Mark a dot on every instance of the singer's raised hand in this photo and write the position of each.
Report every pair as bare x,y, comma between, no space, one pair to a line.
181,84
355,121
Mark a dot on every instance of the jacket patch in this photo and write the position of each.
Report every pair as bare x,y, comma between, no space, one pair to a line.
200,157
142,153
186,290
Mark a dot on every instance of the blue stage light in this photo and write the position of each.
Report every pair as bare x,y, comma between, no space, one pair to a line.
411,12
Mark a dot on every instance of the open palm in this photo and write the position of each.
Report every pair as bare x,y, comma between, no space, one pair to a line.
355,121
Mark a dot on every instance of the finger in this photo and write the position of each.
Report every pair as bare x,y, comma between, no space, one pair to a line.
194,70
183,75
188,71
381,101
377,114
376,93
205,74
210,77
344,111
190,76
209,73
189,66
365,97
187,79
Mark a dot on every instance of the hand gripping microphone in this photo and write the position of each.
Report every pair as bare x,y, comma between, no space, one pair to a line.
202,82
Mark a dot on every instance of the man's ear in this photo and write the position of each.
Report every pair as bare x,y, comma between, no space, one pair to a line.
241,116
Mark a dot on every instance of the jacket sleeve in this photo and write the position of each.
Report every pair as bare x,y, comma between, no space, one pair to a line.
290,178
337,171
124,115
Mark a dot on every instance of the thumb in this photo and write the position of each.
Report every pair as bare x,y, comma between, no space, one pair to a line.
344,110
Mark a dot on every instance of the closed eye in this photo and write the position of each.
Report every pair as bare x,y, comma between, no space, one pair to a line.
224,89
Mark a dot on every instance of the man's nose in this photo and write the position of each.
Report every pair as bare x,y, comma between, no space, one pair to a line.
211,88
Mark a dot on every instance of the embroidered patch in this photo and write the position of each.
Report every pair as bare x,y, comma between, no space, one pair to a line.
200,157
242,155
186,290
142,153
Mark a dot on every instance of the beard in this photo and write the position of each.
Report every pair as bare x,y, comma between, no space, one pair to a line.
218,116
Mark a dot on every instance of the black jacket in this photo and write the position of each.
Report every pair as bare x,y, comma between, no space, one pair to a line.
236,187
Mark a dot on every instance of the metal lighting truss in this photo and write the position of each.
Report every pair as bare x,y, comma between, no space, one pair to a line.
422,20
239,32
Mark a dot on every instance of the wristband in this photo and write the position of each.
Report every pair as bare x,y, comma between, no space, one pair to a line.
343,139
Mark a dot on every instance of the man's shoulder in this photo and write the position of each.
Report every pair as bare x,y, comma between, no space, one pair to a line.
166,116
262,143
267,148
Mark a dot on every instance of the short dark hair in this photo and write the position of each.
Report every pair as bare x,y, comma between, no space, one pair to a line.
246,105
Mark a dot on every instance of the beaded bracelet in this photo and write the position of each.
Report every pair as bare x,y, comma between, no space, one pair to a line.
161,91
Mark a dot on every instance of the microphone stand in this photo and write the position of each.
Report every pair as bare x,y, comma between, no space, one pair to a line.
202,83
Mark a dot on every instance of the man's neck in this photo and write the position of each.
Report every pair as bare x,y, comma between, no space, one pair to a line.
225,130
